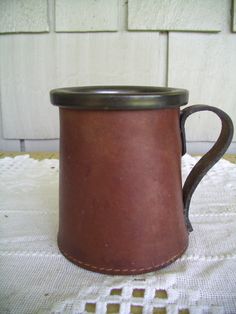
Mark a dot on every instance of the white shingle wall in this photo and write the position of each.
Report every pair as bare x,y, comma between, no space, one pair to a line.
234,15
86,15
173,15
108,46
23,16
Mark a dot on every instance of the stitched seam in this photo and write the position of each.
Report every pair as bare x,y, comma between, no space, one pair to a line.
120,269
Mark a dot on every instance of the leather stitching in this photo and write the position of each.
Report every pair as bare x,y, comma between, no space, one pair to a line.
120,269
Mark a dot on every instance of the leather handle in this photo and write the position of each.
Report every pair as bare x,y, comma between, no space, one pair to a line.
209,159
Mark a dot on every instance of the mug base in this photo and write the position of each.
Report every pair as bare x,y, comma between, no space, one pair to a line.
120,271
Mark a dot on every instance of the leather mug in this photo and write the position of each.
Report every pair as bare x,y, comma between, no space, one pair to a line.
122,206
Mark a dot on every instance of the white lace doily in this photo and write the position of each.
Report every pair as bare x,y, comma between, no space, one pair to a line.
36,278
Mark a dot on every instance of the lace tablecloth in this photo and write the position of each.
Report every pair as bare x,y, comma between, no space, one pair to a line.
36,278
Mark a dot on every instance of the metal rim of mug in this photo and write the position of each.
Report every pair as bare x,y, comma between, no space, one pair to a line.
116,97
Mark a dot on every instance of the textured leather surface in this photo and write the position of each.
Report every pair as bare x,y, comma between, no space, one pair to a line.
121,208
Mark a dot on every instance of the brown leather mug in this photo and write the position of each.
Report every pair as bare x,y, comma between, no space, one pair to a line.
122,206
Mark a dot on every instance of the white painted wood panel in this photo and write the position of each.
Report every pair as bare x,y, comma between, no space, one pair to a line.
28,72
201,148
234,16
205,64
86,15
18,16
111,58
32,65
42,145
7,145
176,15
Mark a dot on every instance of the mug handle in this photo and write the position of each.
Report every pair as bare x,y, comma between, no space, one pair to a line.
209,159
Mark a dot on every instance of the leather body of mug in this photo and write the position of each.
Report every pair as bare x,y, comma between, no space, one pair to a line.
122,206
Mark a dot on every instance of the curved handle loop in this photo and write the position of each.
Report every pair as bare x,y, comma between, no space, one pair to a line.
209,159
